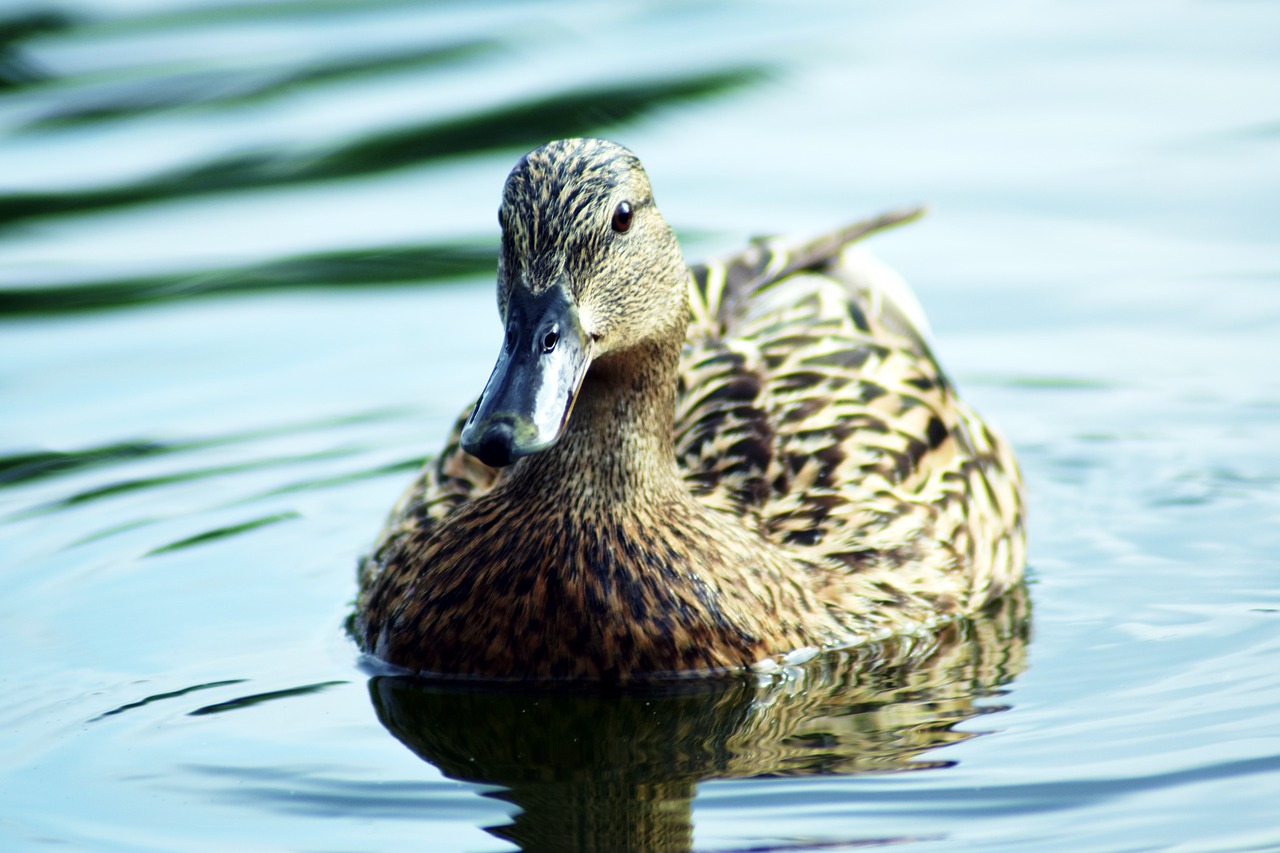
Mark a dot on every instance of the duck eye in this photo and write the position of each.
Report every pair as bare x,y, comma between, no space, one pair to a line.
550,339
622,217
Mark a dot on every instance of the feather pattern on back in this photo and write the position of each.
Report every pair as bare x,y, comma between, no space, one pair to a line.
810,405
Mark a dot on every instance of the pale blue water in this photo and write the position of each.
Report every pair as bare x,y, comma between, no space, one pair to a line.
245,285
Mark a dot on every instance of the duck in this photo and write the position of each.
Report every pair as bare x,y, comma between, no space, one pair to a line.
678,470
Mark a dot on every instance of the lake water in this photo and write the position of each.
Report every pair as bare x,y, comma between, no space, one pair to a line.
246,256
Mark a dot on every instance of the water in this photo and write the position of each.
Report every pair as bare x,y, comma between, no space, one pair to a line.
245,285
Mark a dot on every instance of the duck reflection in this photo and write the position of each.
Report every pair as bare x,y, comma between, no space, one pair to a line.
596,769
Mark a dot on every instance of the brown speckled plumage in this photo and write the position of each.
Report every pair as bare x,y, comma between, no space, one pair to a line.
822,486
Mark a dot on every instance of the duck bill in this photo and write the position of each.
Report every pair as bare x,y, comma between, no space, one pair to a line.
527,401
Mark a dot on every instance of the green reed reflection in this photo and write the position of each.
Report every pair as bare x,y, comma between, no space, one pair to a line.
352,268
230,87
140,89
517,125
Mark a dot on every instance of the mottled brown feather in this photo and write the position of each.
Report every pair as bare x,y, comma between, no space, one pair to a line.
830,488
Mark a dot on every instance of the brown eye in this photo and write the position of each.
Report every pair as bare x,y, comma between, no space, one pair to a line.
622,217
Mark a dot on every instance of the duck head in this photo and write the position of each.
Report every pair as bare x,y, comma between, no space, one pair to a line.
588,269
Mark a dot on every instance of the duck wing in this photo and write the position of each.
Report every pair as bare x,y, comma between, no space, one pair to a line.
811,406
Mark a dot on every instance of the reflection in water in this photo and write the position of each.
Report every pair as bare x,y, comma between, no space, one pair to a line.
49,93
513,126
414,264
616,770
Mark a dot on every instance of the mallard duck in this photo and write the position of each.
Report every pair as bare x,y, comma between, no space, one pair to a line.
682,470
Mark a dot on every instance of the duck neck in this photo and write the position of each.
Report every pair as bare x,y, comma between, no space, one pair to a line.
617,449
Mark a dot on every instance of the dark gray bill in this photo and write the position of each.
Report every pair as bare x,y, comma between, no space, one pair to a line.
527,401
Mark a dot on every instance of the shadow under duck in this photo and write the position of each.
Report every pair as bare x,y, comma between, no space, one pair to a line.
677,469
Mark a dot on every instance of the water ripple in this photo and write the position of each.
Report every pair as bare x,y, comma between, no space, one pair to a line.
260,698
523,124
160,697
351,268
226,532
30,466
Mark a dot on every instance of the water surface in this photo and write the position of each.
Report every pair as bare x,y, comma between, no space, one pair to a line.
246,258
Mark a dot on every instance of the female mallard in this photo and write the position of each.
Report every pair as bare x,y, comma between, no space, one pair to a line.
674,472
